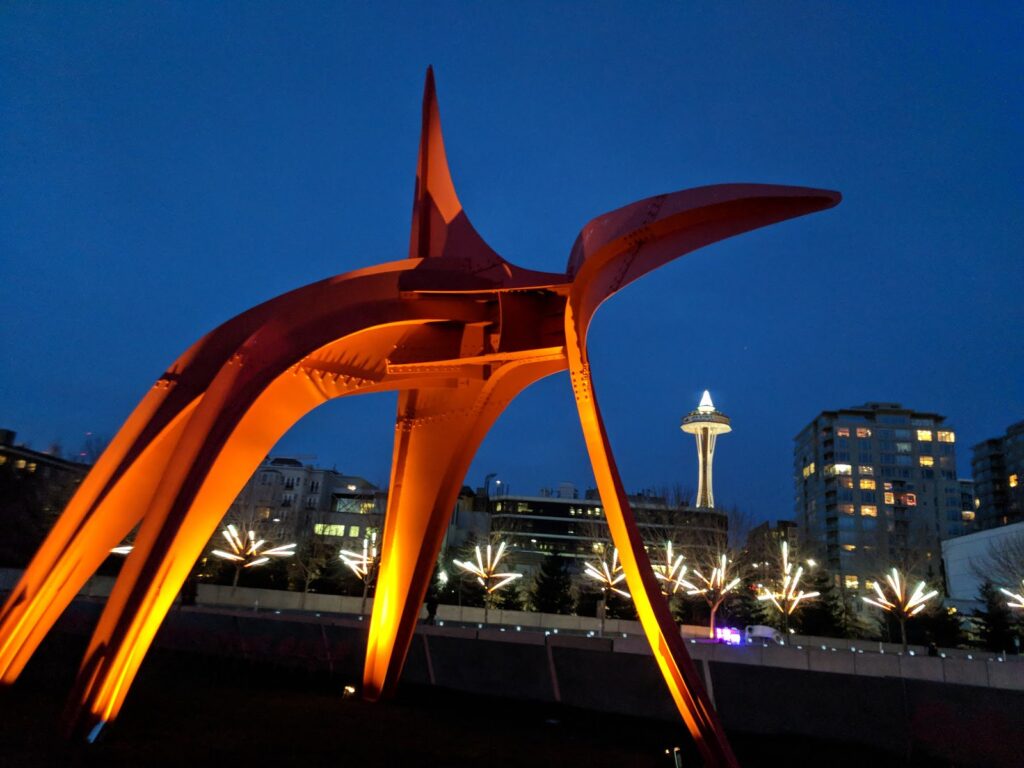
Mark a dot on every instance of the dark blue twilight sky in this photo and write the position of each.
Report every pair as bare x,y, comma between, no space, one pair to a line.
164,166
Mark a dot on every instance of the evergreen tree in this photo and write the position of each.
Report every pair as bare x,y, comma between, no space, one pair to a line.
825,615
994,623
508,598
937,625
745,610
552,587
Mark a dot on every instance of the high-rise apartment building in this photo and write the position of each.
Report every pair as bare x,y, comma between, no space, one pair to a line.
876,486
998,468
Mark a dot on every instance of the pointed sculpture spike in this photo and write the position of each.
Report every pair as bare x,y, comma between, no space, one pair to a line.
435,204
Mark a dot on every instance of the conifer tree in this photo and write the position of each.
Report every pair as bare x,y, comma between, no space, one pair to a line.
552,587
826,615
994,623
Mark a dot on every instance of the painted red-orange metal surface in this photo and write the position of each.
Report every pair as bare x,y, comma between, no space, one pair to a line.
458,332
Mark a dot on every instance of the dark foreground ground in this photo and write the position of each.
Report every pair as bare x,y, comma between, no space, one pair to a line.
189,710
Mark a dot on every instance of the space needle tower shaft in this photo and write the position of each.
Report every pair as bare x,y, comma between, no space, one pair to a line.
705,424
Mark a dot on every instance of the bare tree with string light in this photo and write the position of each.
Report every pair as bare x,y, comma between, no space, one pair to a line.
486,571
364,565
249,552
713,588
897,602
784,592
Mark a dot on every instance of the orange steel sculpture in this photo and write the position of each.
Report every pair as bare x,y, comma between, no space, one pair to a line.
459,332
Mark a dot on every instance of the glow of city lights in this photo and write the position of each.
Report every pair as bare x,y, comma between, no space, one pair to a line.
1016,598
713,583
486,570
900,605
670,573
362,563
249,552
786,599
608,575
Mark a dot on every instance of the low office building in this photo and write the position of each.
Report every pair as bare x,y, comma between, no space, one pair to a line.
990,554
562,523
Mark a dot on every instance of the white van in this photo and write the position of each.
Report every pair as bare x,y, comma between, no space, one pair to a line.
761,632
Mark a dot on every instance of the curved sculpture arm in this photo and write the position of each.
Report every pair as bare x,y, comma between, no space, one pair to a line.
615,249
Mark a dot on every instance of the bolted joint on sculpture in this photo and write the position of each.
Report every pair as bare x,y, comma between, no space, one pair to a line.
458,332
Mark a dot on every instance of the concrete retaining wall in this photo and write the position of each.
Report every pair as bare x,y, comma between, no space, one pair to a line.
883,701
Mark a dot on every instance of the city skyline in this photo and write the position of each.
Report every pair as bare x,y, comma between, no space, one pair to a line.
154,190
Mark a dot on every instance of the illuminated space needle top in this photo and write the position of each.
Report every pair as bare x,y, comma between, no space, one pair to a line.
706,424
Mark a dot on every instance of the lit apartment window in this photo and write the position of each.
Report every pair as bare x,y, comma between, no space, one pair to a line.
890,498
867,484
908,499
843,432
926,461
865,469
925,435
809,470
1013,481
846,482
19,464
326,529
846,509
850,547
31,466
967,515
850,581
3,460
844,469
946,437
863,432
353,531
869,510
902,447
869,584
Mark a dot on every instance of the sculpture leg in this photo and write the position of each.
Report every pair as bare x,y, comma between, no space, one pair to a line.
430,461
100,514
436,437
651,607
200,482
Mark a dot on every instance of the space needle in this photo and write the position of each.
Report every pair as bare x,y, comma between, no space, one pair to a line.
706,424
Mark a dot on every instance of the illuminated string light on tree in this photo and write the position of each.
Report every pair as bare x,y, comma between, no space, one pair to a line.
249,552
364,565
486,571
716,587
609,574
671,572
895,600
787,595
1016,598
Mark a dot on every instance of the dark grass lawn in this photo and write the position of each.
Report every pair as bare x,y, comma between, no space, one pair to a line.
189,710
